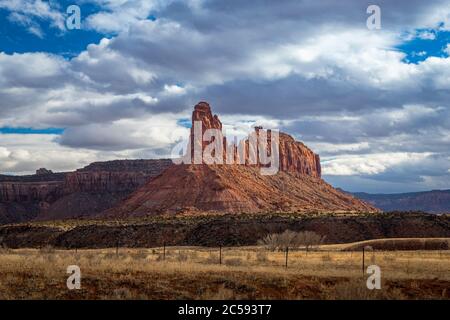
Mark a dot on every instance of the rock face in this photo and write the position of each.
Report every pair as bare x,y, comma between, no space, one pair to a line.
202,188
86,191
29,191
202,114
298,158
239,188
294,156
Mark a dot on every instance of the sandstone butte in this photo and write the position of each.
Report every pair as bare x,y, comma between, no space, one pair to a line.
239,188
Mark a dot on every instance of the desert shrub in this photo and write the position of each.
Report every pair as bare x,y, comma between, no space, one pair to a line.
4,249
261,256
48,249
109,255
356,289
233,262
221,293
389,258
291,239
140,255
122,294
159,257
193,255
212,258
351,290
182,256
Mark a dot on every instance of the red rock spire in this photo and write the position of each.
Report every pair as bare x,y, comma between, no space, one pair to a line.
294,156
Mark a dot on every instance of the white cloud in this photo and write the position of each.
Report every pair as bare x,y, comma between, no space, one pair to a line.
370,164
26,22
447,49
174,89
24,13
28,68
23,154
426,35
118,16
151,132
340,148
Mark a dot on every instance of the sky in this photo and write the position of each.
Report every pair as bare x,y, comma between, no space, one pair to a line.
374,103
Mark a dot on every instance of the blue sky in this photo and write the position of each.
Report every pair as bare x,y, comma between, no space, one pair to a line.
429,43
372,103
18,39
20,130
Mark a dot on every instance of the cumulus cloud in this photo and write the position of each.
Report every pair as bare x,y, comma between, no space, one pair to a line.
311,69
117,16
158,132
23,154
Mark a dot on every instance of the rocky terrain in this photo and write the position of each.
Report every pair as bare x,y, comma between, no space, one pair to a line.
85,192
238,188
435,201
215,230
193,189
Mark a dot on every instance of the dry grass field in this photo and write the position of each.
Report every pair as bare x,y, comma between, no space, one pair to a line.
245,273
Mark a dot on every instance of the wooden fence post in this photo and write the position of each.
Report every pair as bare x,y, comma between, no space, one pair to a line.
363,261
220,254
164,251
287,253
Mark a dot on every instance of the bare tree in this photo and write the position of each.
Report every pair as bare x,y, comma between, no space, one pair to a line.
271,241
291,239
309,239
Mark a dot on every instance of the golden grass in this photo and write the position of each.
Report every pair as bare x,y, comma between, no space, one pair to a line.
392,243
245,273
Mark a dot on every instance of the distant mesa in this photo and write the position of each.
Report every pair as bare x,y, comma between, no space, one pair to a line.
127,188
67,195
43,171
225,188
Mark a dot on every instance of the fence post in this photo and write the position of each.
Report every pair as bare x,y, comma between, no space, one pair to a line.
117,248
287,253
164,251
363,261
220,254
